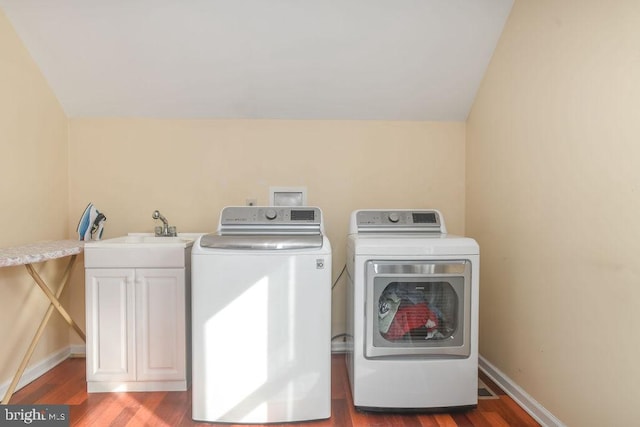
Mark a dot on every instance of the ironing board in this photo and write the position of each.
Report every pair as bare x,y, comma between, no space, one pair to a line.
28,255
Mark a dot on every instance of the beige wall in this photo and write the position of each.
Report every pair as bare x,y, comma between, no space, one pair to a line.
52,167
191,169
33,197
553,186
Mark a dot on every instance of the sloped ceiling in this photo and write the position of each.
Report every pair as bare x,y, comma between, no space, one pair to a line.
276,59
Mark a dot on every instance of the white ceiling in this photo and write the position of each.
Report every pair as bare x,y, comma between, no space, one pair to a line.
276,59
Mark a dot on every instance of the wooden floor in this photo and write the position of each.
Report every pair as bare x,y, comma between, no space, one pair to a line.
65,384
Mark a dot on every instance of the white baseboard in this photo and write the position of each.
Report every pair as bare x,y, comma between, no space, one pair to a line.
78,350
338,347
39,369
521,397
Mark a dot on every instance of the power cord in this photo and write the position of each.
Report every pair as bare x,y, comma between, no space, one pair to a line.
335,283
345,335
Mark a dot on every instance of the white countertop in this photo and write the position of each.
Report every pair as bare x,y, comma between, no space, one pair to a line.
144,240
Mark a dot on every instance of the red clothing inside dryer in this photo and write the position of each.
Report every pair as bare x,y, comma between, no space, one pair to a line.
410,316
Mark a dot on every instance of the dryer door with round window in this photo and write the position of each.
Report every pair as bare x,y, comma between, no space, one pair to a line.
418,308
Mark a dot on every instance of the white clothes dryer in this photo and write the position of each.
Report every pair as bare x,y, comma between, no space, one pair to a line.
412,312
261,304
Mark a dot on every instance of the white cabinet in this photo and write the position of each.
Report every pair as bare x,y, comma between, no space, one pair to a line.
138,326
160,324
110,325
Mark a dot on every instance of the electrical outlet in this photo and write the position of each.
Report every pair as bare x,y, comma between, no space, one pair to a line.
251,202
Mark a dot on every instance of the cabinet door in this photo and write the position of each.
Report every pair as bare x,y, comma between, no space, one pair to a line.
160,324
110,323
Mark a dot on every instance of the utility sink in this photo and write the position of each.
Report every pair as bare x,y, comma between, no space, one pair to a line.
144,240
139,250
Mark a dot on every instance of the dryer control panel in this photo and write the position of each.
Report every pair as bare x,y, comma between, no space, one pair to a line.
397,220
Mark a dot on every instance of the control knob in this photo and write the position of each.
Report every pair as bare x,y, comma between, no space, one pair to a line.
394,217
271,214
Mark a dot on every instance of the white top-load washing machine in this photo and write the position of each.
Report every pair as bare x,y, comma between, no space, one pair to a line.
412,312
261,313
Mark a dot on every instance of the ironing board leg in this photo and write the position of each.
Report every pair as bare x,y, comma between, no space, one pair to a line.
43,324
54,301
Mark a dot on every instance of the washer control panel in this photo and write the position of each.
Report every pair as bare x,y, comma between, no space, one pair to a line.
270,215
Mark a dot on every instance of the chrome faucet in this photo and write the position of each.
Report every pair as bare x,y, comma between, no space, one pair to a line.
165,230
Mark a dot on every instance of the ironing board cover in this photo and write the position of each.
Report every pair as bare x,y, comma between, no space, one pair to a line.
38,252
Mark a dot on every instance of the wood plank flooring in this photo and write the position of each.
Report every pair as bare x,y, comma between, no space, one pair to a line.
65,384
